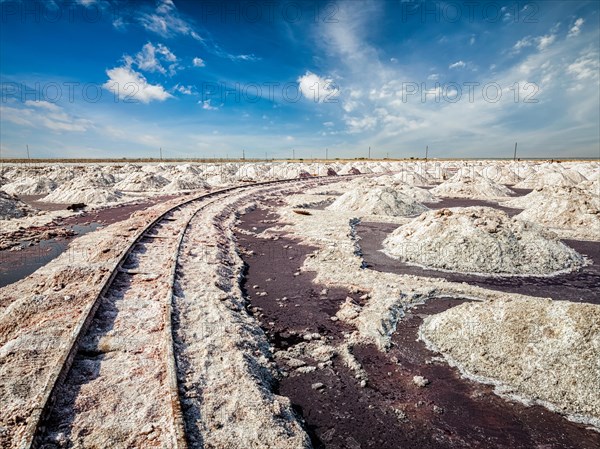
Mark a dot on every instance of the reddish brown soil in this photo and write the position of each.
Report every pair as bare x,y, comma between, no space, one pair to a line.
580,286
344,415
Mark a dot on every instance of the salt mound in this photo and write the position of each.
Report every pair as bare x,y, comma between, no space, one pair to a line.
561,207
377,201
477,187
564,177
86,195
416,193
500,175
30,186
141,182
412,178
186,182
12,207
480,240
537,349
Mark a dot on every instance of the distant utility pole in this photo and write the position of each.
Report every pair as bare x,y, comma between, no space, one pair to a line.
161,153
369,152
326,154
426,152
266,157
28,158
293,154
243,154
388,155
515,155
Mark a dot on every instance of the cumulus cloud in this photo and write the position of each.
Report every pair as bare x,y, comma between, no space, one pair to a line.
186,90
317,88
198,62
576,28
129,86
457,65
151,57
43,114
206,105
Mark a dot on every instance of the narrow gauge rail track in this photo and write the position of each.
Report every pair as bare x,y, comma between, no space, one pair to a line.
36,430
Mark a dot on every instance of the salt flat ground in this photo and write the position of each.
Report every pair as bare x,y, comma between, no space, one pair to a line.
430,304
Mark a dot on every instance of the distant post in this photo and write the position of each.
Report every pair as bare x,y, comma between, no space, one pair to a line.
28,158
326,154
515,155
369,152
161,153
426,152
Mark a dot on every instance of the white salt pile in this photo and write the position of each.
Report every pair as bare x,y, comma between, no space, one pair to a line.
30,186
12,207
413,178
570,208
378,201
476,187
186,182
480,240
86,195
391,181
551,176
141,182
539,350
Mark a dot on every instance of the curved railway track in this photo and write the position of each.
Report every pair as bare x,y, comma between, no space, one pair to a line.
168,229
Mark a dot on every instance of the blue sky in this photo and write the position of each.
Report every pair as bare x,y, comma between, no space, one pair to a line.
107,78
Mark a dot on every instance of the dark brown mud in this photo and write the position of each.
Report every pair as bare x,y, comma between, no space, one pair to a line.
390,411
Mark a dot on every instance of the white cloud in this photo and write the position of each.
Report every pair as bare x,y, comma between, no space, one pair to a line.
586,67
318,89
150,57
394,60
434,77
167,22
457,65
545,41
472,40
523,43
289,138
186,90
206,105
576,28
43,114
328,124
130,86
198,62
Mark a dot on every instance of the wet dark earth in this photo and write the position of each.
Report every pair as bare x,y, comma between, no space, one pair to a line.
390,411
578,286
32,255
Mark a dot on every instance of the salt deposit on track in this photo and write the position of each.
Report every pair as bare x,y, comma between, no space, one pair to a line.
540,350
480,240
476,187
12,207
571,211
378,201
